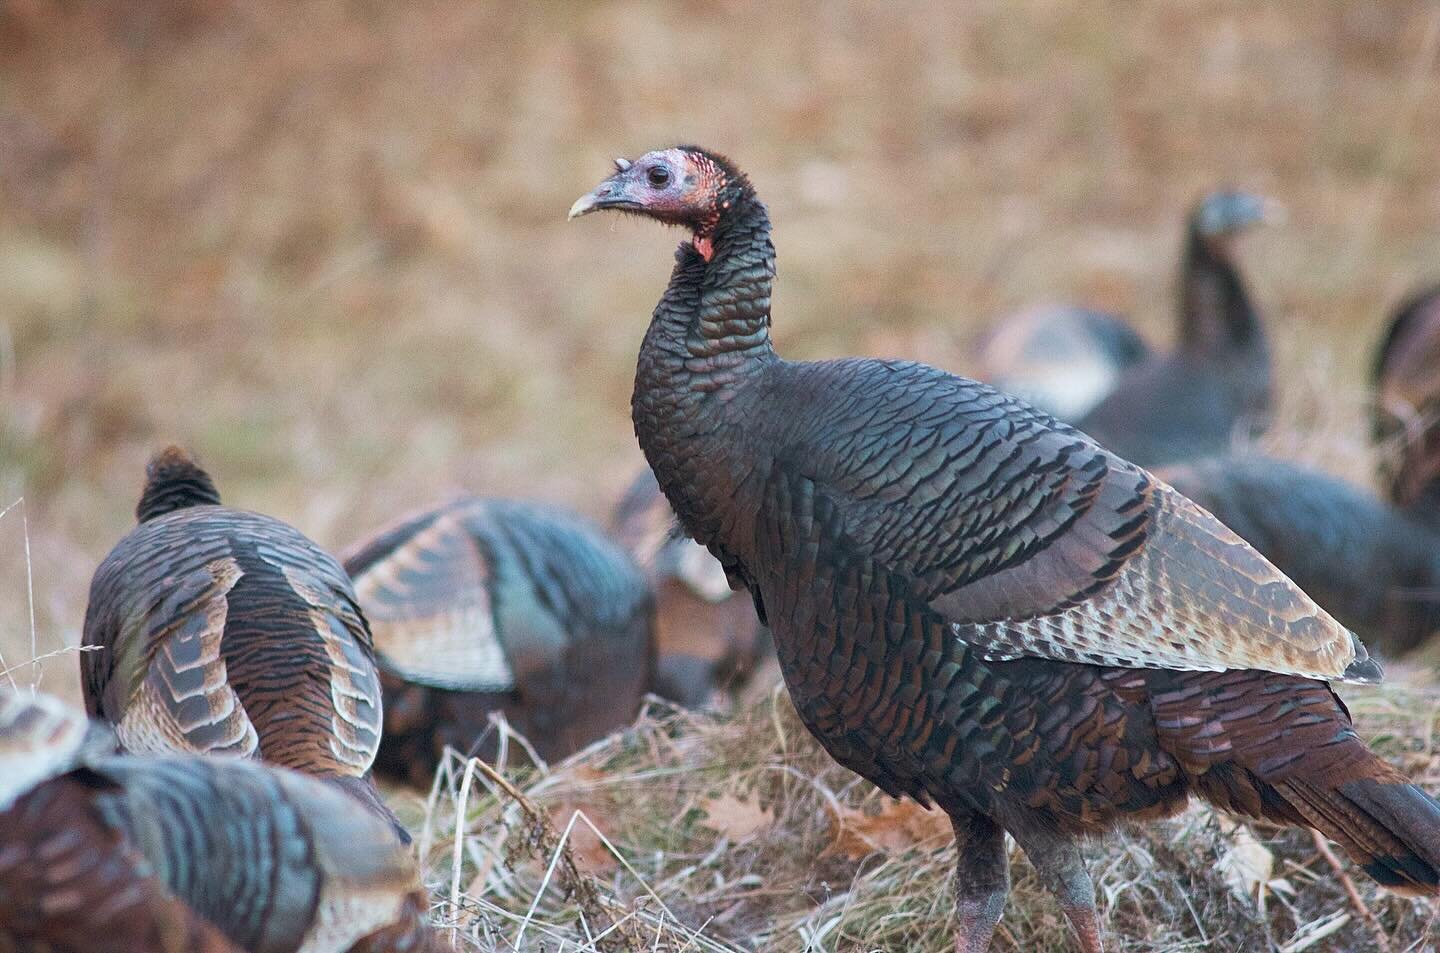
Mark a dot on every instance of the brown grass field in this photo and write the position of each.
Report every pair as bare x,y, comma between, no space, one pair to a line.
323,243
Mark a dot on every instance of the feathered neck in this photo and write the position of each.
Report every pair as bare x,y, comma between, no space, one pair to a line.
1216,314
714,317
174,482
708,339
1415,484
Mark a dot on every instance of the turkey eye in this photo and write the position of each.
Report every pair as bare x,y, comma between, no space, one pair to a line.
658,175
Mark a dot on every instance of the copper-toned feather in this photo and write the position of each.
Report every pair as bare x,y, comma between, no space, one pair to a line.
41,738
482,606
708,639
1149,612
428,599
74,884
168,854
219,631
1375,567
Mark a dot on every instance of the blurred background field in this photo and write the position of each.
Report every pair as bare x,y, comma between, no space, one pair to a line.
323,243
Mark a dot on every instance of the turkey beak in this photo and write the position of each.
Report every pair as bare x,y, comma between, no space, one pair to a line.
608,194
587,203
612,193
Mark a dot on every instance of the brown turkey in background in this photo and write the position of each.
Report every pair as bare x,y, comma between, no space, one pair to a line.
1373,563
484,606
1407,406
1215,384
219,631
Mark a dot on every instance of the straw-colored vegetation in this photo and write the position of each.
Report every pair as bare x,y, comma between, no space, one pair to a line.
323,243
692,833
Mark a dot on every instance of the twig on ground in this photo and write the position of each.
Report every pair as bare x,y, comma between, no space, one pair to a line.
1382,939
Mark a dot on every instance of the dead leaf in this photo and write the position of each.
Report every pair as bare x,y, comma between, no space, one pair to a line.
1248,866
590,853
898,827
735,817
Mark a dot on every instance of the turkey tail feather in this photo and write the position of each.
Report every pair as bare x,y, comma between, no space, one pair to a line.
1390,828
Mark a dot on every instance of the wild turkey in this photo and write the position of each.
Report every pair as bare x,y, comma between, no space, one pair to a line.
708,641
221,631
1191,402
146,854
484,605
978,606
1374,567
1062,359
1407,406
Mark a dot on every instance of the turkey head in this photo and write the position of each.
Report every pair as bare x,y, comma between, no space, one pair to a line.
684,186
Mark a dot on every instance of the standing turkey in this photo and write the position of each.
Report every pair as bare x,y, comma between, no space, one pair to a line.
1062,359
219,631
1407,405
486,605
1193,401
102,853
708,641
978,606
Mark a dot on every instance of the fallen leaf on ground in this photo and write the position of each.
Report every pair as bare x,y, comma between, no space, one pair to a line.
898,827
590,853
1248,866
734,817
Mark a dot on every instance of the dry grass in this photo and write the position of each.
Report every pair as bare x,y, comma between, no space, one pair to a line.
695,833
322,242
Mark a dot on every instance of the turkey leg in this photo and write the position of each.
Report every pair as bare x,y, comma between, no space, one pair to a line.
1057,860
982,881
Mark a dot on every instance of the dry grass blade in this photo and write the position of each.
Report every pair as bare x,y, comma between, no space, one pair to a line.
55,653
557,847
31,588
1315,931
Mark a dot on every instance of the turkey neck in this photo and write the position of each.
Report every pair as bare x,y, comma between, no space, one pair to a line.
175,490
1415,488
1216,315
708,342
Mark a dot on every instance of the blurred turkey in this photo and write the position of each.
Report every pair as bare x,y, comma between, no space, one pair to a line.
708,641
978,606
1060,358
227,632
179,854
485,605
1373,564
1407,406
1215,384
